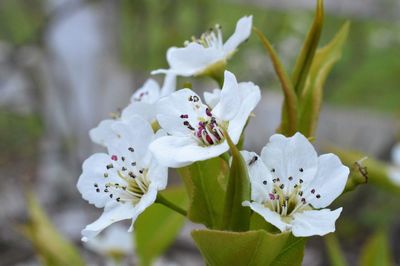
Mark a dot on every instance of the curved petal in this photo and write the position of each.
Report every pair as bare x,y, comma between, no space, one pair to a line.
190,60
270,216
169,85
91,183
227,107
212,98
250,96
290,157
180,151
396,154
242,33
328,183
158,175
260,176
103,132
145,110
315,222
113,212
148,93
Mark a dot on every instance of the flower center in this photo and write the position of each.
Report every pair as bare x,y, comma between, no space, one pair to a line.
212,38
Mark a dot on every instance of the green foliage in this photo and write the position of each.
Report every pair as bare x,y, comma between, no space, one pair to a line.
376,251
157,227
51,247
236,217
335,254
311,96
305,59
204,183
255,248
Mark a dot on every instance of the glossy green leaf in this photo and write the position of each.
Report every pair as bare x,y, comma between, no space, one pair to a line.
235,216
311,97
204,182
305,59
335,254
289,110
51,247
157,227
252,248
376,251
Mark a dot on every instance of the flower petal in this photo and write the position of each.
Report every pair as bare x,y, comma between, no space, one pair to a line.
113,212
145,110
179,151
315,222
212,98
103,132
250,96
396,154
290,157
328,183
227,107
148,93
260,176
242,33
190,60
270,216
169,85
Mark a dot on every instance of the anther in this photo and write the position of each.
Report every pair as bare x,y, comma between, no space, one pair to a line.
97,190
301,170
111,195
109,166
273,170
123,168
114,158
131,149
133,163
290,178
312,191
123,158
118,199
281,186
318,196
301,193
303,200
265,182
105,175
301,181
184,116
131,175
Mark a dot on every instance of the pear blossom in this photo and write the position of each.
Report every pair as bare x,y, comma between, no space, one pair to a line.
394,170
291,185
142,103
196,131
203,55
124,181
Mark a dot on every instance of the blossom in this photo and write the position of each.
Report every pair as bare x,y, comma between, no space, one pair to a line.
394,171
126,180
291,186
142,103
196,131
113,242
208,52
396,154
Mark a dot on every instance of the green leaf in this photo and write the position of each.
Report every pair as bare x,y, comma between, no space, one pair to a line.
236,217
204,182
335,254
157,227
311,97
376,251
51,247
305,59
252,248
289,110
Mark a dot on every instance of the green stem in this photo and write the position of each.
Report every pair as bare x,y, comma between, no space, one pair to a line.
162,200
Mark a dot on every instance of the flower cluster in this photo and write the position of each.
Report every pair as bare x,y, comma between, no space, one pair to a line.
172,127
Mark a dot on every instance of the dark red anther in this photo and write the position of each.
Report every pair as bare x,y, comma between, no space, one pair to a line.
184,116
271,196
209,140
208,112
114,157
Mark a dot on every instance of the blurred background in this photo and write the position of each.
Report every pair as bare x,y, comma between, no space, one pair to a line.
67,64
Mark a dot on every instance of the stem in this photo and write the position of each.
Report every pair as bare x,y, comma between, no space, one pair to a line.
161,200
225,157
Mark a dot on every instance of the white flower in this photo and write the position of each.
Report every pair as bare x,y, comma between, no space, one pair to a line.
126,180
394,171
113,242
396,154
142,103
290,184
201,55
196,131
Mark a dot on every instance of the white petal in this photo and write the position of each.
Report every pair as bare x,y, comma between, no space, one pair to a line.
103,132
113,212
179,151
329,181
158,175
93,170
260,176
171,108
290,157
190,60
145,110
394,175
242,33
227,107
169,85
212,98
270,216
396,154
315,222
148,93
250,96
